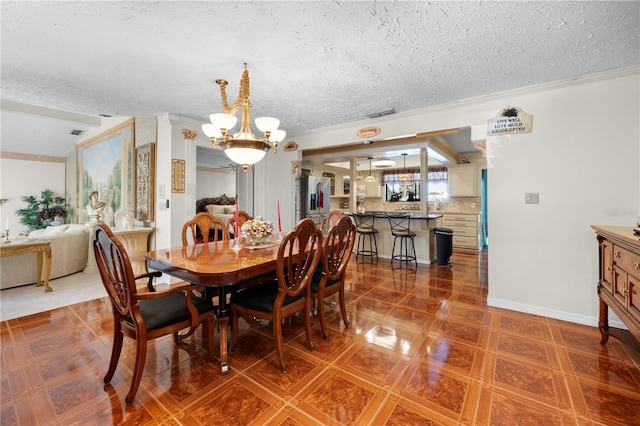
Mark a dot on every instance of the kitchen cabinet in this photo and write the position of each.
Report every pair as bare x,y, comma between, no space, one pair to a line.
462,180
346,185
619,280
466,230
372,189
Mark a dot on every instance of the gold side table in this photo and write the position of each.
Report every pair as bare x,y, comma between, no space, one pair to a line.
42,249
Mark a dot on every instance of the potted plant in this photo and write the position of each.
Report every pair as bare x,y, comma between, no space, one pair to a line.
40,212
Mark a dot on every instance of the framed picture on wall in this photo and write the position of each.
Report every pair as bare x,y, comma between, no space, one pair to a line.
177,175
145,182
104,163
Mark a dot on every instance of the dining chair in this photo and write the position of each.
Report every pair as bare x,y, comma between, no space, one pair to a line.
290,293
242,218
204,227
329,277
330,220
149,315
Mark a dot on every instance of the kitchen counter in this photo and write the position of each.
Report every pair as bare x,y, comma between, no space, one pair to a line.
416,215
423,225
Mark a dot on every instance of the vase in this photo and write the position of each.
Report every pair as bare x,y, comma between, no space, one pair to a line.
256,241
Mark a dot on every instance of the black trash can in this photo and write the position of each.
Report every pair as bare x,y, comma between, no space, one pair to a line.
444,245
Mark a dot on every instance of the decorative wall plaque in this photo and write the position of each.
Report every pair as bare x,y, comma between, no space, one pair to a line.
178,171
510,120
368,132
291,146
145,182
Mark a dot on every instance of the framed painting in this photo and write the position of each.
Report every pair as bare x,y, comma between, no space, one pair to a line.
145,182
104,163
177,175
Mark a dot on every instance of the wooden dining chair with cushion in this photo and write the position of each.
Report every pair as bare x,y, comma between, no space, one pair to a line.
330,220
298,257
204,228
330,274
145,316
242,218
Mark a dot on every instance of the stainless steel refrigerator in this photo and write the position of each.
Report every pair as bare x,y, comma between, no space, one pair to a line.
315,197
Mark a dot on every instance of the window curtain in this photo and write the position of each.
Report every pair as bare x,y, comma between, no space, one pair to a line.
390,177
437,175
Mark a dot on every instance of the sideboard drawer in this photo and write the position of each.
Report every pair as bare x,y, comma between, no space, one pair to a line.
627,260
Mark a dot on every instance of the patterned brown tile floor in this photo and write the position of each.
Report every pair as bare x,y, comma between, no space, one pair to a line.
422,349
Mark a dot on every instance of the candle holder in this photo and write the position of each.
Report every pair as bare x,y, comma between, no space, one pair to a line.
236,245
6,237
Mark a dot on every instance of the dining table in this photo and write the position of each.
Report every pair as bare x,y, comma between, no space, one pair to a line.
221,268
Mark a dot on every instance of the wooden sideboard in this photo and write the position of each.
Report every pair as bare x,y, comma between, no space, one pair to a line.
134,240
619,280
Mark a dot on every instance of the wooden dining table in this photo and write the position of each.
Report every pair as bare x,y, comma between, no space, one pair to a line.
220,270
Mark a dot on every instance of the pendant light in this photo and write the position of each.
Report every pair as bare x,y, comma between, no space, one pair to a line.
370,178
404,176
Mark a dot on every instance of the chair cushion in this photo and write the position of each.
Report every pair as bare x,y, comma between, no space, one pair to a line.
366,230
403,234
158,313
262,297
315,281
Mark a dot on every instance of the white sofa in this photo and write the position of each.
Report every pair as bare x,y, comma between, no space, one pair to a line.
69,250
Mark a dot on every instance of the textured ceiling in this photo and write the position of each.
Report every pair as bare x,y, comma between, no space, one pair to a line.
312,64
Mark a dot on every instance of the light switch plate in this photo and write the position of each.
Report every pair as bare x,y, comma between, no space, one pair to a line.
532,198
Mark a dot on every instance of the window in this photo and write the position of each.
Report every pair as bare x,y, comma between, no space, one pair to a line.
438,184
401,190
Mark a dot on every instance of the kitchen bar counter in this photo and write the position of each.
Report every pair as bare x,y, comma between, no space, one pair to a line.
412,215
421,224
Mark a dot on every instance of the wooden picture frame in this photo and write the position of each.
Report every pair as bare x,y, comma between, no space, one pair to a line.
104,163
145,182
178,171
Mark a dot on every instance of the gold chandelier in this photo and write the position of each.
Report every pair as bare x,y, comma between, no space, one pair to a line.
242,147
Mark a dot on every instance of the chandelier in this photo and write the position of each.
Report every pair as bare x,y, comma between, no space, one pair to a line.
242,147
404,176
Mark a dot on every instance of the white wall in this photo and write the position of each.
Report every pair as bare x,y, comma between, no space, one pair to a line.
582,157
214,182
27,177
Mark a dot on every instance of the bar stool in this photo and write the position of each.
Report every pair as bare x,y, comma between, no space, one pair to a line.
400,228
365,228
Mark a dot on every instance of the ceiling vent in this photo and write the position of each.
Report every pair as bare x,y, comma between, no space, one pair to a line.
77,132
381,113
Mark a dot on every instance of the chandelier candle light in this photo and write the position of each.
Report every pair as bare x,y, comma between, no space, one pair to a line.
242,147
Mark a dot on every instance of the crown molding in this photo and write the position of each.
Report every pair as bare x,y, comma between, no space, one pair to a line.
32,157
584,79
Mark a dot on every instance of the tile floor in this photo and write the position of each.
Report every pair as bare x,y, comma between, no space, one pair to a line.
422,349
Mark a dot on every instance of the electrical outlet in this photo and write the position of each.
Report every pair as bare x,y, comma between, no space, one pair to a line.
531,198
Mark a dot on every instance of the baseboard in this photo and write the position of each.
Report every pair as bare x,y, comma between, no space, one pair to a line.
551,313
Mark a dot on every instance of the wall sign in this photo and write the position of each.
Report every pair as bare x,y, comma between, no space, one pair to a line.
510,120
368,132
